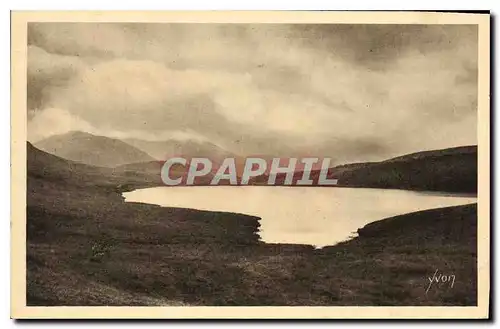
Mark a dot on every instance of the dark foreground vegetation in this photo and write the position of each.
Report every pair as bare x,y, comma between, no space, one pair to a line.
86,246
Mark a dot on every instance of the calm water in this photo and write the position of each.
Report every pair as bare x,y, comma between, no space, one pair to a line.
304,215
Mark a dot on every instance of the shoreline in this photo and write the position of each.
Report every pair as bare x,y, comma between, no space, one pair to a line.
352,234
230,247
86,246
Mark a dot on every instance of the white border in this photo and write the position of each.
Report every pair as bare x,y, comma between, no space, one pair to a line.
186,4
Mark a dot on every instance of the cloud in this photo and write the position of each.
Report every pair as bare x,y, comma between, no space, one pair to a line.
46,71
54,121
355,92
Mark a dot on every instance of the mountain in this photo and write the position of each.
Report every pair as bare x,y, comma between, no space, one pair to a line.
46,166
93,150
161,150
447,170
153,167
47,169
452,151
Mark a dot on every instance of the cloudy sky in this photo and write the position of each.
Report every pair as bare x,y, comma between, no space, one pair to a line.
350,92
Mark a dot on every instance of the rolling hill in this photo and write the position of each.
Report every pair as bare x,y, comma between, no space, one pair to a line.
447,170
47,169
93,150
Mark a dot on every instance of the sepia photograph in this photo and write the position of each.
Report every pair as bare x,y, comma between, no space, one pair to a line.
164,162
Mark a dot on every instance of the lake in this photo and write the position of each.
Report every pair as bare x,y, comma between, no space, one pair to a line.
318,216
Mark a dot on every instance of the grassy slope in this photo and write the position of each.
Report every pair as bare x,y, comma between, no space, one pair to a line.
87,247
450,170
446,170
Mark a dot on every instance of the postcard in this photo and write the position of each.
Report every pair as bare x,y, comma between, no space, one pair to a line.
250,165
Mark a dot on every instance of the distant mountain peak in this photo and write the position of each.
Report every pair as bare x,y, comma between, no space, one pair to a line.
161,150
91,149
